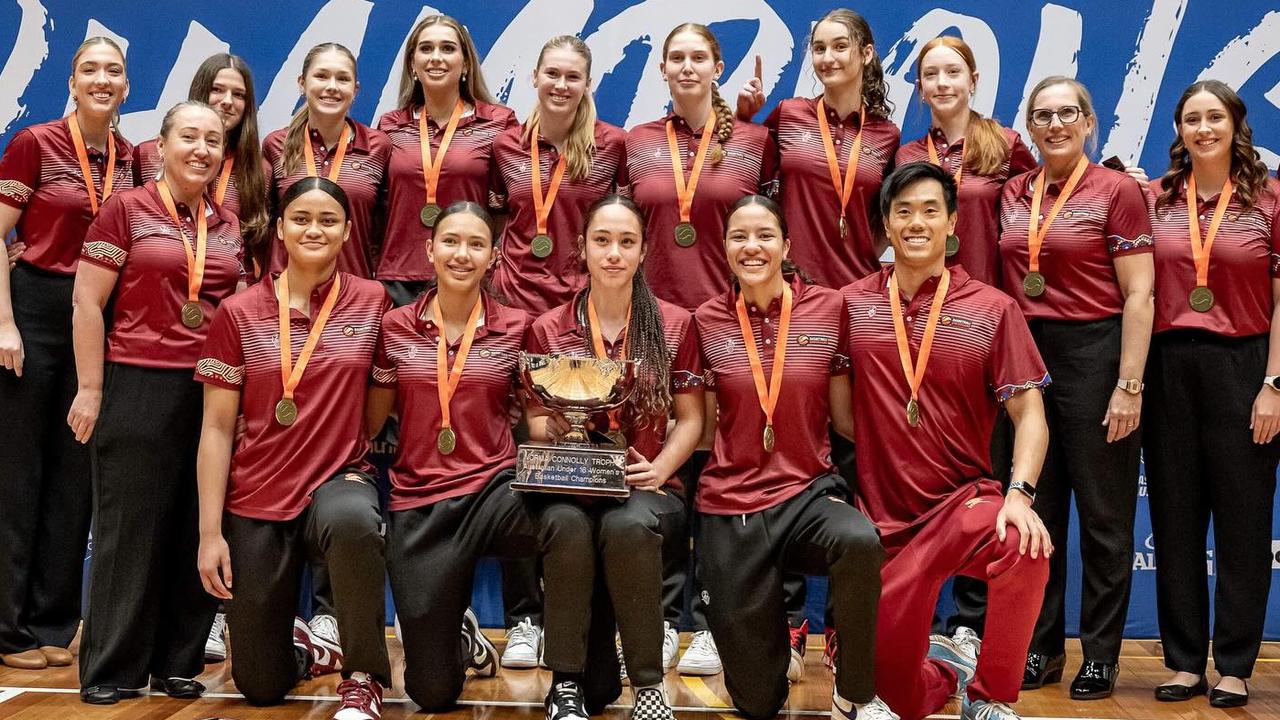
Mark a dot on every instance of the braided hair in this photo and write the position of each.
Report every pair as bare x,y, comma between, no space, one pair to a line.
724,114
646,343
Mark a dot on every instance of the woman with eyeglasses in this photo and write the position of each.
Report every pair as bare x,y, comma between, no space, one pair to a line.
1075,250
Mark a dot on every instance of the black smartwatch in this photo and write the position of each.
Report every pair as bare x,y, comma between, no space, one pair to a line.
1025,488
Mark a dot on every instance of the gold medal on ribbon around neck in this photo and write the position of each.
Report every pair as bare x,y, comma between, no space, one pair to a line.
446,441
286,412
542,246
1033,284
430,213
1201,299
192,314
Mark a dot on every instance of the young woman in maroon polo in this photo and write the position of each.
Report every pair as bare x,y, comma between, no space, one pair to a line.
617,316
926,479
442,90
297,484
1209,425
828,203
49,197
323,140
1075,249
769,498
240,187
449,364
979,153
720,159
164,257
578,160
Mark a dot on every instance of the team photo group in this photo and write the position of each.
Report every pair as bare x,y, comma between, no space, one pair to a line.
892,362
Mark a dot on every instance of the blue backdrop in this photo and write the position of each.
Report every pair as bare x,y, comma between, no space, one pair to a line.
1136,57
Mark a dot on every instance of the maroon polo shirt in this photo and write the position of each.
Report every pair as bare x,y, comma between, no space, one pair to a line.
562,332
978,199
147,166
810,202
134,236
1105,218
275,468
465,175
363,178
982,354
40,175
1244,261
741,477
538,284
689,276
406,362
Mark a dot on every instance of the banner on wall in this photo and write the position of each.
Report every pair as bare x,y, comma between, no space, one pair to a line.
1135,57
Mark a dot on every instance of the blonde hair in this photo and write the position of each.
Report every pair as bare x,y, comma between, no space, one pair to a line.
580,148
471,88
986,147
724,115
102,40
293,139
1082,96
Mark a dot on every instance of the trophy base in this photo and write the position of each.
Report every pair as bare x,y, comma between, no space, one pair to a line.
583,470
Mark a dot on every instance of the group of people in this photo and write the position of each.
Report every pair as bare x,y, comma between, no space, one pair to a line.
202,333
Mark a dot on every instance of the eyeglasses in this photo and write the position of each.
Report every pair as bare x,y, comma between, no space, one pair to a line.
1067,114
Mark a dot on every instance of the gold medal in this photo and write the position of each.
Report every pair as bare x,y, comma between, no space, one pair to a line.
446,441
193,314
844,227
617,437
913,413
953,245
1033,284
686,234
1201,299
430,213
286,412
769,438
542,245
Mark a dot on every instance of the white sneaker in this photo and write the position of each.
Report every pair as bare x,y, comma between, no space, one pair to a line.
798,637
670,646
361,698
968,642
215,648
842,709
326,626
524,642
702,657
986,710
622,660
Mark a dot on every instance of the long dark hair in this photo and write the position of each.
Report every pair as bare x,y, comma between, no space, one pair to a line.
1248,173
875,91
243,143
646,342
788,267
324,185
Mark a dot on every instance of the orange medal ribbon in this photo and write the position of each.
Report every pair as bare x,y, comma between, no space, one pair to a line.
336,169
541,205
192,313
597,344
915,376
224,180
82,154
686,190
291,374
1036,233
1200,250
933,156
431,168
768,394
447,378
844,190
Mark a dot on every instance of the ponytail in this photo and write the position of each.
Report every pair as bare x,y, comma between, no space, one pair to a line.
724,123
294,139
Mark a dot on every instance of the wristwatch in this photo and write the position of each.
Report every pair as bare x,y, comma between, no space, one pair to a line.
1024,487
1133,386
1272,381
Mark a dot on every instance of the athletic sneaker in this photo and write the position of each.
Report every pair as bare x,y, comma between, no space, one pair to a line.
523,644
326,626
361,698
622,661
842,709
480,650
651,704
986,710
564,702
215,647
702,657
948,652
968,641
325,657
795,667
671,646
830,649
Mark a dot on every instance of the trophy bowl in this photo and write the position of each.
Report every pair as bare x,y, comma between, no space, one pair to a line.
576,387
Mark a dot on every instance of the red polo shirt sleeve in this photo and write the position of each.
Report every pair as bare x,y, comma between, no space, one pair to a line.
1275,235
1015,362
1128,226
1020,158
686,367
383,373
20,170
221,362
108,240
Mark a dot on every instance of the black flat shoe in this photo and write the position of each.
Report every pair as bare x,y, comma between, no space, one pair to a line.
1175,692
180,688
1042,670
105,695
1223,699
1095,680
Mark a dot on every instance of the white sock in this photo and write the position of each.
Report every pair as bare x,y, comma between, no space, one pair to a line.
841,703
360,676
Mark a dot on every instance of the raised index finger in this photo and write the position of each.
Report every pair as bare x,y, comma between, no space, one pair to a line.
759,68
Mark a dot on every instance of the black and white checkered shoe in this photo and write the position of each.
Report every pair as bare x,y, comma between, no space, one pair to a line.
651,704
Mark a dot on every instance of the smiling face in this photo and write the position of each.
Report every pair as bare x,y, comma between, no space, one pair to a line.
613,247
837,60
561,81
754,245
918,224
329,84
98,82
1206,128
191,148
690,65
438,59
1058,141
313,228
946,82
462,251
227,96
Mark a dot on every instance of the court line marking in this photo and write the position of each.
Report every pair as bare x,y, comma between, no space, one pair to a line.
9,694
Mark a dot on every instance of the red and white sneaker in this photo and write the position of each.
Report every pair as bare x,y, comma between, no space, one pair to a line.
326,657
361,698
795,666
833,647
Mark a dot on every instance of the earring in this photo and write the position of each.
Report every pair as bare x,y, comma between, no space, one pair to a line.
464,77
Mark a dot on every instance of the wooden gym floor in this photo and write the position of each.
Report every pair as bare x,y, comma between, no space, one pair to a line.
517,695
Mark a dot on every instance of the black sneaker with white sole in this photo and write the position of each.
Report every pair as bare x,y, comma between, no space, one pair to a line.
482,655
564,702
